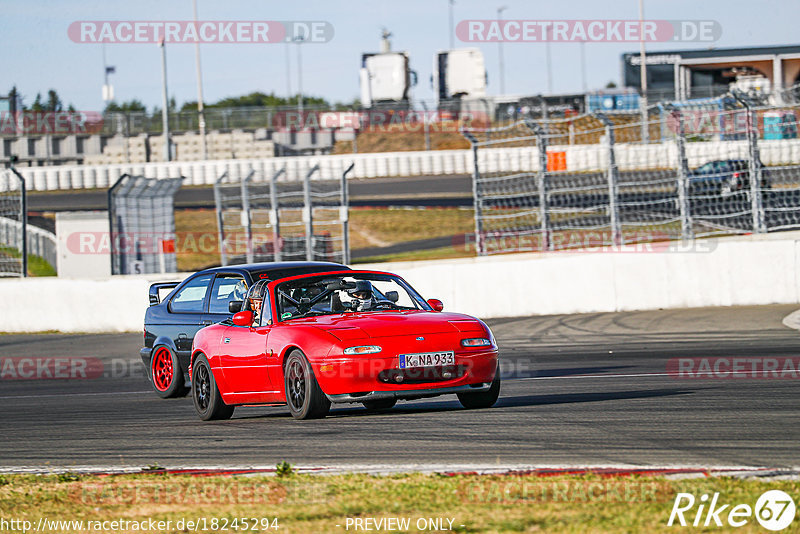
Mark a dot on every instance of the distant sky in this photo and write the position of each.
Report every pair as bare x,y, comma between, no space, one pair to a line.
37,53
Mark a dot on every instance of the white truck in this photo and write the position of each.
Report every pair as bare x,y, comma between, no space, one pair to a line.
386,77
459,73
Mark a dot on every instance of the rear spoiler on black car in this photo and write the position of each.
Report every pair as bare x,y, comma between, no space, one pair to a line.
155,288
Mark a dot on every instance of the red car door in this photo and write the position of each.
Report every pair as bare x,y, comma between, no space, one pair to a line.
243,360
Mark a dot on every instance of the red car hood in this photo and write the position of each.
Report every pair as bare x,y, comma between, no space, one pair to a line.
383,324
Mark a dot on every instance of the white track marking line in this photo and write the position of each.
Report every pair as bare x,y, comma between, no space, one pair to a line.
73,395
590,376
792,320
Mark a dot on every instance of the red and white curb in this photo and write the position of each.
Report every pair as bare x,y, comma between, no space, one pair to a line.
670,472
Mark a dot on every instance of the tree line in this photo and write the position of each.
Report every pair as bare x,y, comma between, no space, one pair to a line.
53,102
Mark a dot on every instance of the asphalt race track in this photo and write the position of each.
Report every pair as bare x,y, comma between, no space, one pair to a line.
453,190
579,390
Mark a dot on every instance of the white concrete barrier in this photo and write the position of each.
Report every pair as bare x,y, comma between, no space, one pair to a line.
732,271
579,158
720,272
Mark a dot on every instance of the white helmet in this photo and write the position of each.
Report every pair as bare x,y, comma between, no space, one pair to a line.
362,295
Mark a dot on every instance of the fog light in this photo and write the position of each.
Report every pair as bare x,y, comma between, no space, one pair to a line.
447,374
398,378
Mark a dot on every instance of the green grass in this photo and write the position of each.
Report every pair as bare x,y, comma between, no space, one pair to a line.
369,227
442,253
37,266
313,503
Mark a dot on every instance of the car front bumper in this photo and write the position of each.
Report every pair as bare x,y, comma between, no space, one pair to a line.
357,379
407,394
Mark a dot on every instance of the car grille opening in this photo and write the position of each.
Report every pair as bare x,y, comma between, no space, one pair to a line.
422,375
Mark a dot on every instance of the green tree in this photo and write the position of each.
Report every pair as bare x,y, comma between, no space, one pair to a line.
37,103
13,97
134,105
53,101
258,99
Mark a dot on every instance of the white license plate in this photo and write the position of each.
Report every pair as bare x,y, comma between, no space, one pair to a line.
427,359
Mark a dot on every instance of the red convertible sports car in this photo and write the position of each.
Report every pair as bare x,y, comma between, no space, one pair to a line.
340,337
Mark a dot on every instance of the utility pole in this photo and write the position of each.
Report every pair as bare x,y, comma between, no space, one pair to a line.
299,40
164,100
201,114
288,71
584,86
108,91
500,50
549,60
450,15
643,71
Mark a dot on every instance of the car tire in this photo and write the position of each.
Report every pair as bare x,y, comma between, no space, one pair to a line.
205,394
303,394
380,405
166,375
484,399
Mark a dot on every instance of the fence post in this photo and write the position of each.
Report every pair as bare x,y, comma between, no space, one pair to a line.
613,180
687,233
220,223
246,218
344,216
756,202
308,214
23,218
544,214
480,245
275,214
116,249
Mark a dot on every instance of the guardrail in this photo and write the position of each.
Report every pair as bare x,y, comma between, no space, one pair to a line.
40,242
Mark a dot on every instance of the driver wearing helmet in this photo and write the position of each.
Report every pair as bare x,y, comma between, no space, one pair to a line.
255,299
361,295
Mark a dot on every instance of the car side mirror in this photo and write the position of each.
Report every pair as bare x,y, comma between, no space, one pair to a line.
436,304
235,306
243,318
392,296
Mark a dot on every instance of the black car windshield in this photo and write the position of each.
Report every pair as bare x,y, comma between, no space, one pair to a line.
346,293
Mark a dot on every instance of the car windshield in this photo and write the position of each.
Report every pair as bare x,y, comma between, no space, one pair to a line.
345,293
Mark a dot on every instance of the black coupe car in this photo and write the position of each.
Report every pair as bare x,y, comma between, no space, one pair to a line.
202,299
723,178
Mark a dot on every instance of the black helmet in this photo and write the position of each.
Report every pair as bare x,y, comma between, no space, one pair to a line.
362,291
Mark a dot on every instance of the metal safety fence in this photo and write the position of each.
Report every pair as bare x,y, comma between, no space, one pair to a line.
141,219
270,218
722,166
13,225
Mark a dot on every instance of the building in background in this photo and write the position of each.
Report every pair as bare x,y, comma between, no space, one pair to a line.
688,74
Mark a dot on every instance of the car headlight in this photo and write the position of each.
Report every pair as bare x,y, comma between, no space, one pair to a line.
364,349
476,342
